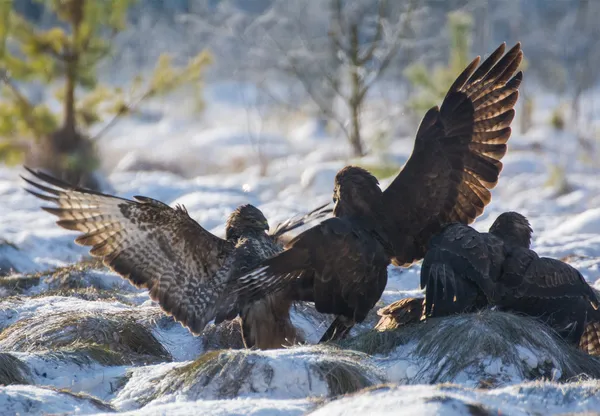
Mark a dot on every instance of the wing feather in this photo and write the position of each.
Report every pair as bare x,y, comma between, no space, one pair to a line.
333,264
456,157
147,242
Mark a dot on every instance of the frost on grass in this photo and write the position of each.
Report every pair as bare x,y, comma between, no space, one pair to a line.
238,407
446,399
13,370
107,337
226,335
281,374
32,400
88,276
485,349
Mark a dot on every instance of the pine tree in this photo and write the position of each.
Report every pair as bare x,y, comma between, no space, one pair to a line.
68,55
434,84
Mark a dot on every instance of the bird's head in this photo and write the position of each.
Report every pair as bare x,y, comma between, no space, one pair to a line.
356,193
513,227
245,218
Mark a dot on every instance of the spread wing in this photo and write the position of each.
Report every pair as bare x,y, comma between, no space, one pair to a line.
530,276
293,223
334,264
147,242
460,270
457,153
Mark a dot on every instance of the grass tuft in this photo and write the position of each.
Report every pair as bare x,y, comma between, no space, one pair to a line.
13,370
453,344
109,338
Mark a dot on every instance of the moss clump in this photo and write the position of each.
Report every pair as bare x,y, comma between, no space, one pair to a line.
342,376
456,343
17,284
376,342
98,333
90,294
226,335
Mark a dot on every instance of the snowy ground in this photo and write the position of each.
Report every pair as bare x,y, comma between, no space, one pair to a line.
285,382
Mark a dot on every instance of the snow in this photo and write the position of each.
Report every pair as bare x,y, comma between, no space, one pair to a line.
525,399
211,167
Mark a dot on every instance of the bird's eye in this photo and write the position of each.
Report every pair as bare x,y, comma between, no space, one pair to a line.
334,200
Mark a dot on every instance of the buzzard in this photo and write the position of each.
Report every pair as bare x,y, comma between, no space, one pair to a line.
341,264
184,267
465,270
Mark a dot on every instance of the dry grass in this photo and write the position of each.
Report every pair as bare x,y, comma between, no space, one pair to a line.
13,370
73,276
226,335
98,334
17,284
343,373
60,279
454,344
228,373
102,406
88,293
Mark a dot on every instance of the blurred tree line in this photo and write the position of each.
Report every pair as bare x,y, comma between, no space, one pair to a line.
65,56
334,59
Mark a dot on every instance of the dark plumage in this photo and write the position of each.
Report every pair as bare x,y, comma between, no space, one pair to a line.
465,270
185,268
341,264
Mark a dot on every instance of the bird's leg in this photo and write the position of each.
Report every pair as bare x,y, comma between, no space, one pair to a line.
339,329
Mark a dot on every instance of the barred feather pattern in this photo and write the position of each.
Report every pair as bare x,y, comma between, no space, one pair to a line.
185,268
590,340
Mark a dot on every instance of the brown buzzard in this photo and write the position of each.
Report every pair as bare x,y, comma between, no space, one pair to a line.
465,270
341,264
185,268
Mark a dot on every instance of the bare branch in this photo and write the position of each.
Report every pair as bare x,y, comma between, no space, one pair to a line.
368,55
127,109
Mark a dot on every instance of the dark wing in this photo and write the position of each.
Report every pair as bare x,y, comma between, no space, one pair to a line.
528,276
335,264
460,270
147,242
456,157
400,313
293,223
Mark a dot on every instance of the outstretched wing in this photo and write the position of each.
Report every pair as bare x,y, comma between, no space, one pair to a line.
147,242
338,266
293,223
456,157
528,276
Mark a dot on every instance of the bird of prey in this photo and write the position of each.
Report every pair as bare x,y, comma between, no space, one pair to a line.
465,270
341,264
184,267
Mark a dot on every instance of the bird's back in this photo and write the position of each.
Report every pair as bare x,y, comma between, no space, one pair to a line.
266,323
460,269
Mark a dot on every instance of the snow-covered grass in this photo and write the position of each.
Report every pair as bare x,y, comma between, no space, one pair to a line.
68,323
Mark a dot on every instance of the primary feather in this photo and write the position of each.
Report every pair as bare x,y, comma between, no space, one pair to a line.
185,267
341,264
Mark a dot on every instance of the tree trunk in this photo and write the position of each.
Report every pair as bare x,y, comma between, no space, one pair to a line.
355,139
66,153
355,94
